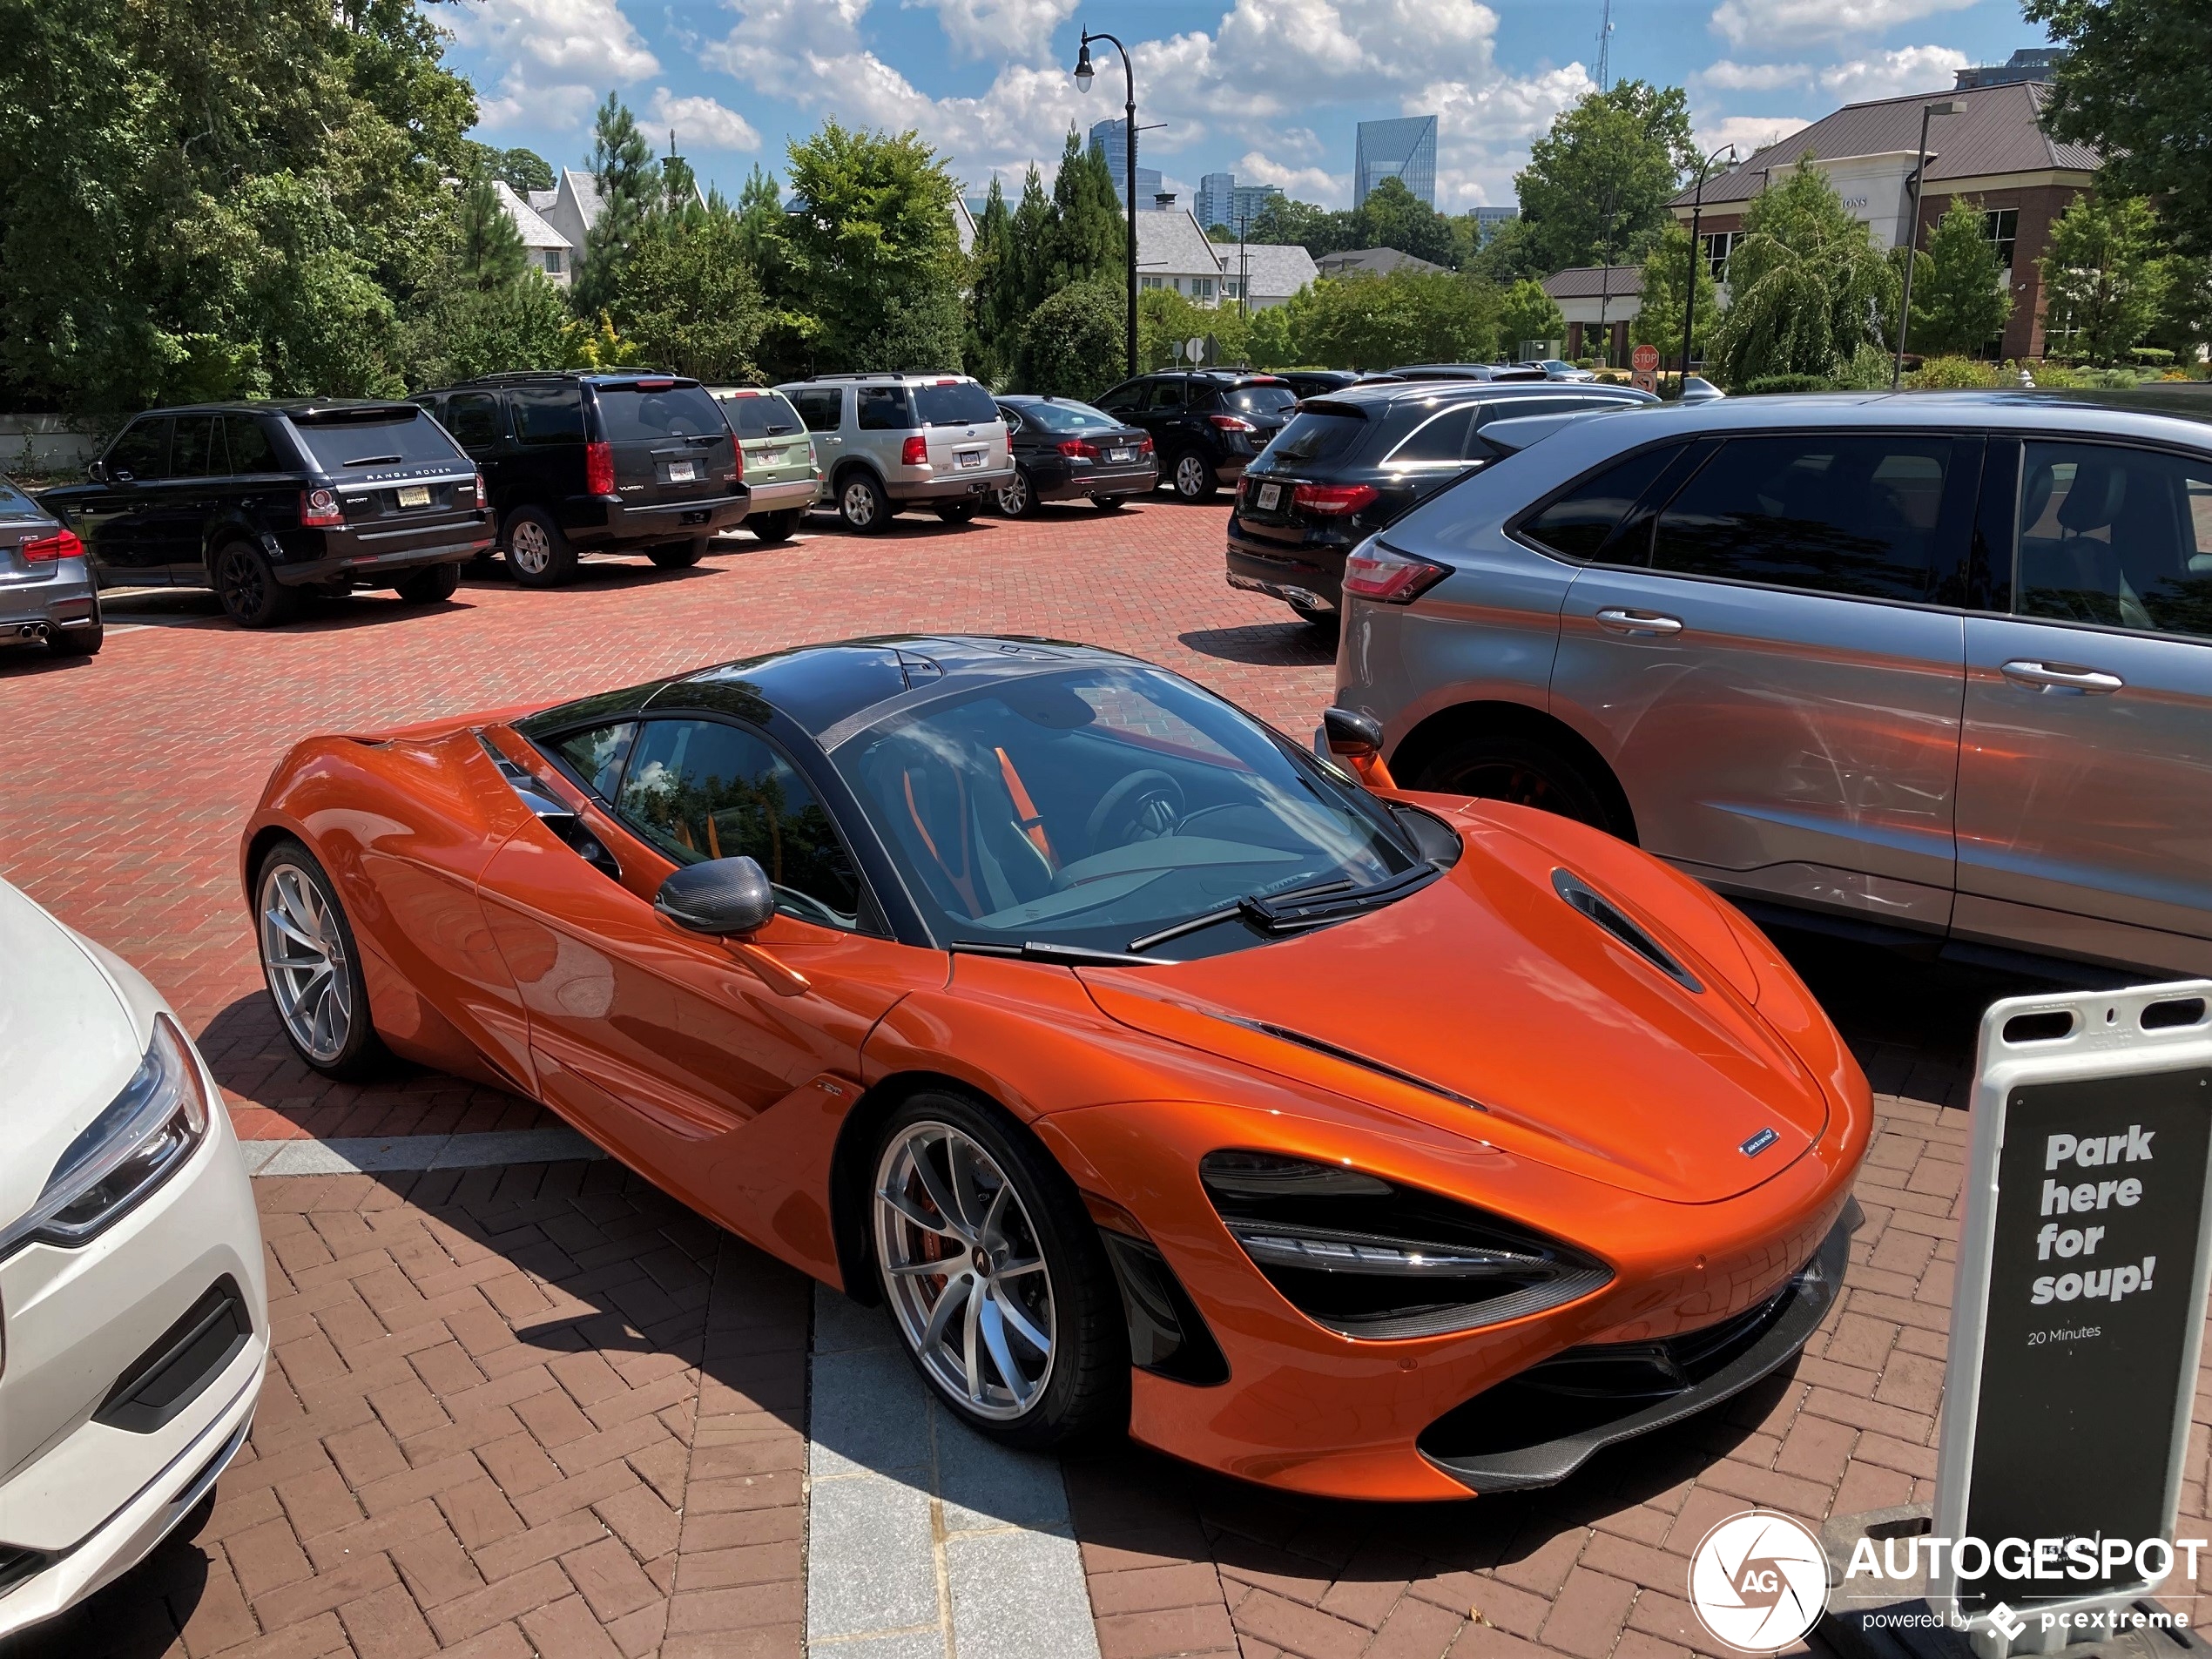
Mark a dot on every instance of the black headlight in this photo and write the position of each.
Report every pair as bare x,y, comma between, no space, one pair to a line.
1369,1258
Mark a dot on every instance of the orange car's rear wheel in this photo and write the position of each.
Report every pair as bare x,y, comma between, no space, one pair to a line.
996,1277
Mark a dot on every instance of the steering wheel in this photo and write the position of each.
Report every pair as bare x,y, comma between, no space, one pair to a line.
1147,802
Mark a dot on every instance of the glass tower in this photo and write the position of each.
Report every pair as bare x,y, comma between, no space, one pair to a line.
1401,149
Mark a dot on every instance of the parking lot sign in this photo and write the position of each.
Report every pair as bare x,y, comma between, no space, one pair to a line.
1643,365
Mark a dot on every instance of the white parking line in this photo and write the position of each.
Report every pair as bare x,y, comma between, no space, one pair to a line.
925,1540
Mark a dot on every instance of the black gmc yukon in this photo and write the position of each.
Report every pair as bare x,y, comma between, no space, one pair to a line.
262,502
615,461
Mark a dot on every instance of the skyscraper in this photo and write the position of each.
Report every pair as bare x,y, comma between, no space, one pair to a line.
1401,149
1107,138
1222,200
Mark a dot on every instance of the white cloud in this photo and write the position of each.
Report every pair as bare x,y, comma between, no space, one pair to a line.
553,53
701,122
1788,23
1485,128
1909,69
1728,76
1749,133
1003,29
1307,184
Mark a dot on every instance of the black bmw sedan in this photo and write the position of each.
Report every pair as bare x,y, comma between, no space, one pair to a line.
1064,449
1349,463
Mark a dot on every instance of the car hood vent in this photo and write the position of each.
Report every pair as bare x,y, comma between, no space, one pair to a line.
1602,910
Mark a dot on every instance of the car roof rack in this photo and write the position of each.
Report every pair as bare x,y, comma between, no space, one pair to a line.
892,375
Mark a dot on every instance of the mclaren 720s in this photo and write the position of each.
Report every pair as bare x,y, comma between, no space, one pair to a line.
1154,1073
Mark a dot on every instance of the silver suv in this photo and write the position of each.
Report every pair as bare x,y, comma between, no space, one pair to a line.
1934,662
885,442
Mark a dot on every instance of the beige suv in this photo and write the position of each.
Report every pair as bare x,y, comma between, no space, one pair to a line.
888,441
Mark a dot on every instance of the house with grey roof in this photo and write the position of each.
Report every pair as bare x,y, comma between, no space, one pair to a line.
1173,253
546,249
1995,153
1372,261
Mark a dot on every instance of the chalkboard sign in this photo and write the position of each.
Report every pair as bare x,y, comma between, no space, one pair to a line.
2079,1309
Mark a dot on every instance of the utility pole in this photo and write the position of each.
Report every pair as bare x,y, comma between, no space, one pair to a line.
1605,49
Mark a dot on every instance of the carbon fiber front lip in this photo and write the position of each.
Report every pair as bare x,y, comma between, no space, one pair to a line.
1811,1295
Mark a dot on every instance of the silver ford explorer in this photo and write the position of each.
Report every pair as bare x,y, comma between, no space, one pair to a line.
1938,663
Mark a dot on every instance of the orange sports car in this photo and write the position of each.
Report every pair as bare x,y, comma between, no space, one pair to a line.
1154,1072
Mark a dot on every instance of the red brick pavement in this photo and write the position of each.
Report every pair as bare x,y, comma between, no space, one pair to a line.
130,775
544,1410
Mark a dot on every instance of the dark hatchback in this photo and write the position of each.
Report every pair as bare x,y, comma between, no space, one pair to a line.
1064,450
617,461
1348,464
1208,424
263,502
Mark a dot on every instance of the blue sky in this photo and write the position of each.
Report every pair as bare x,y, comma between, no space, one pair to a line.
1270,90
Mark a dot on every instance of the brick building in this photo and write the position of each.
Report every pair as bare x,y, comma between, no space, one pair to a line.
1995,152
1599,302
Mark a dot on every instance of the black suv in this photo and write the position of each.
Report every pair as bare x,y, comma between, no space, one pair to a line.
616,461
1349,463
1207,424
264,500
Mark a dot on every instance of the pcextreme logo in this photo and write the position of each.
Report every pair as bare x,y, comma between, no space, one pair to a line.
1758,1581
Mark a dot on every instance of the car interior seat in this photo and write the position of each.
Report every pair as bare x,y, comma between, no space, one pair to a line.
960,828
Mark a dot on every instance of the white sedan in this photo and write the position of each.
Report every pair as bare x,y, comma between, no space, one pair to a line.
133,1308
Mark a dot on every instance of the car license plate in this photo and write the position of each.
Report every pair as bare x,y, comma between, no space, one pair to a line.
1121,455
683,472
415,495
1269,494
971,457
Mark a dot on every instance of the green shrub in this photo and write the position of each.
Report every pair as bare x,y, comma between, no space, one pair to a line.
1073,345
1957,373
1768,384
1868,369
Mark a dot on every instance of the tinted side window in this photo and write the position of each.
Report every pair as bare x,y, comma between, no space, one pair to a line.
550,414
762,414
597,755
142,451
1124,400
1442,437
1576,523
1836,514
698,789
197,449
1165,395
822,411
883,408
962,403
251,450
1318,432
473,418
631,415
2115,536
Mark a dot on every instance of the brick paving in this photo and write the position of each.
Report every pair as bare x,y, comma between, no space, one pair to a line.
129,775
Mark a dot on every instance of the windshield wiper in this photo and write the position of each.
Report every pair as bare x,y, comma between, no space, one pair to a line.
372,460
1033,950
1306,907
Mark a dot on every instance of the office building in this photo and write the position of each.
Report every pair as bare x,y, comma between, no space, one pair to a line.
1487,221
1222,200
2035,63
1401,149
1107,138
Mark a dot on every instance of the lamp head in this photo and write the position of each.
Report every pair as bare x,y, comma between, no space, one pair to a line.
1083,70
1949,107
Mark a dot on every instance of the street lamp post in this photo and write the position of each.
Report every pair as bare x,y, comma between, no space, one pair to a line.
1912,233
1083,74
1696,214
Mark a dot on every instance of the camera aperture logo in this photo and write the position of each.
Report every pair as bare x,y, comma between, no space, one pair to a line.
1758,1581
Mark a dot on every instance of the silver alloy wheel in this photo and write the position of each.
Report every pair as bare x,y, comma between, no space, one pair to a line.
529,548
859,505
1190,477
303,954
966,1276
1014,496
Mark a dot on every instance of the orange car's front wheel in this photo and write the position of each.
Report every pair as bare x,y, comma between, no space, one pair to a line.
996,1275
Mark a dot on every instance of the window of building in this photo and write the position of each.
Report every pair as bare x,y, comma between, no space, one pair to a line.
552,261
2000,227
1717,245
1202,288
1152,282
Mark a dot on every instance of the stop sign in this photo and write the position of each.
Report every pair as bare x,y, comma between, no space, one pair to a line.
1644,359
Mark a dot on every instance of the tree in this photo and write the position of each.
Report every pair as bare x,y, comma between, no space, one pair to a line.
1315,229
520,170
687,299
1530,313
1510,253
874,246
1393,217
1667,269
1595,189
1088,236
1808,289
491,254
1408,316
465,331
994,281
621,167
209,201
1959,300
1033,246
1073,345
2184,324
1165,321
1269,342
2137,85
2105,277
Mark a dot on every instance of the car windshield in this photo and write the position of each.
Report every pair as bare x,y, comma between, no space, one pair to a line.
1065,416
953,403
1261,400
650,411
1096,807
761,414
343,439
